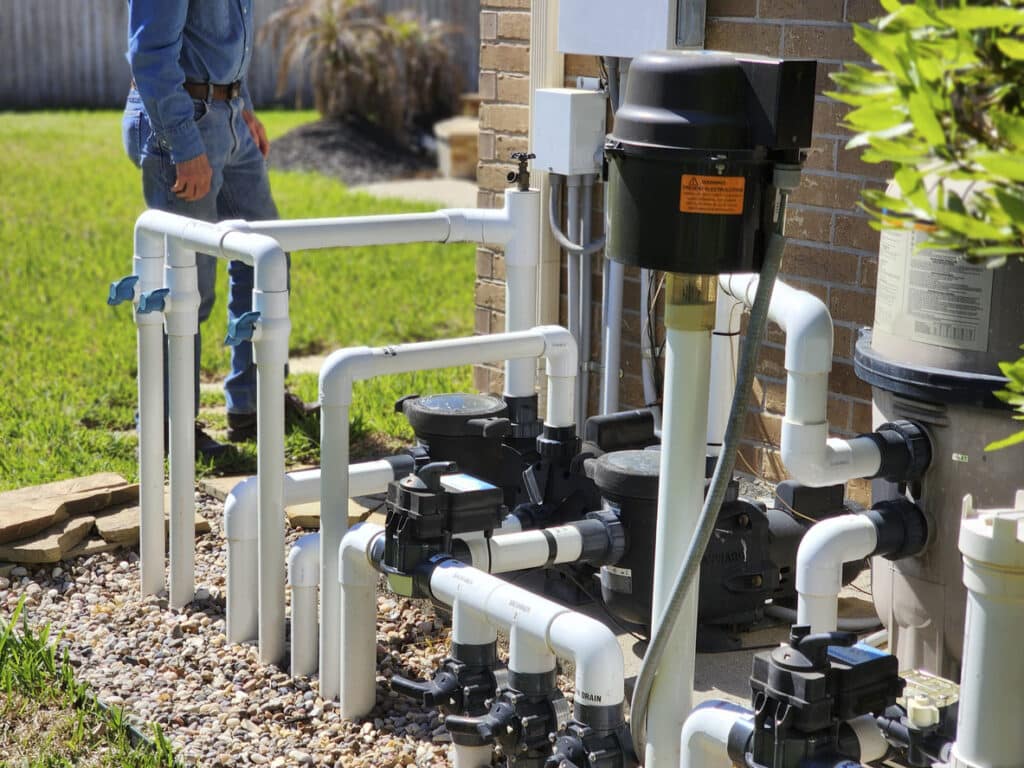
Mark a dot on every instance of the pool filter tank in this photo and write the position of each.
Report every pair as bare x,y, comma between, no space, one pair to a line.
941,327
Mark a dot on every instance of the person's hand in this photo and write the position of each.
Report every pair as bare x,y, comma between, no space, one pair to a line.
193,180
259,133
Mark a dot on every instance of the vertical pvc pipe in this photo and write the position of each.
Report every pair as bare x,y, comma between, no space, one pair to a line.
356,584
725,344
647,372
612,333
988,733
334,452
521,289
680,497
304,577
586,299
471,757
270,348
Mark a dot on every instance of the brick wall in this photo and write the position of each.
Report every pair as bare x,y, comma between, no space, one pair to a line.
832,252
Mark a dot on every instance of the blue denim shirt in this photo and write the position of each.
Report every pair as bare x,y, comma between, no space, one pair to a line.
171,41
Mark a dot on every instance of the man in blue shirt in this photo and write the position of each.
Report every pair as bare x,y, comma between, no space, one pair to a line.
189,125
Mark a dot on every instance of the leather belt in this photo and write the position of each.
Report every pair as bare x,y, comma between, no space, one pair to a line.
214,91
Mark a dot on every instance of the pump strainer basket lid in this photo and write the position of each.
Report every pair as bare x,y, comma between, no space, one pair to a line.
448,414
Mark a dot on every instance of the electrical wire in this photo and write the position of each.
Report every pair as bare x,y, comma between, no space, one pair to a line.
719,482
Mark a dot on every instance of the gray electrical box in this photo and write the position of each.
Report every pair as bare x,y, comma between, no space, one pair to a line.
628,29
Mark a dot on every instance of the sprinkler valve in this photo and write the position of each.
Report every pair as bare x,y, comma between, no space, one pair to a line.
122,290
152,301
241,329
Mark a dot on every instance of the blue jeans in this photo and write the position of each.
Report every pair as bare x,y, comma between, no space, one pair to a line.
240,190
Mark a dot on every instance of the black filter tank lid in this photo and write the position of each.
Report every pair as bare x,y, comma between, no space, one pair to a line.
626,474
450,414
716,101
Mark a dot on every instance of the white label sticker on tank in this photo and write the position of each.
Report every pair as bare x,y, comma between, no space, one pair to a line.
961,457
929,296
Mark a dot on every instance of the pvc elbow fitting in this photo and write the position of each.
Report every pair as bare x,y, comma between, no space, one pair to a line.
560,352
355,555
241,513
338,374
304,562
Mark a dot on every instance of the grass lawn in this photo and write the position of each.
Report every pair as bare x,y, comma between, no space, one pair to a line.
49,720
68,201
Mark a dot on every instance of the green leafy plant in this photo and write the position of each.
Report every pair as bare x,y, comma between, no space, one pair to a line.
945,106
395,70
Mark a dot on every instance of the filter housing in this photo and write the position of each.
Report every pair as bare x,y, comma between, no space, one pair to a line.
941,327
691,158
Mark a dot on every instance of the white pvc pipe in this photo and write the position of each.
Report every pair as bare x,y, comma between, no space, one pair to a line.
180,314
680,498
471,757
810,456
522,261
523,550
988,733
704,742
647,373
611,315
356,596
241,524
545,628
725,344
304,578
824,549
148,267
346,366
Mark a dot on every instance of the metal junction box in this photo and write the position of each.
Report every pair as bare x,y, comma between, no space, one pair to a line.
628,29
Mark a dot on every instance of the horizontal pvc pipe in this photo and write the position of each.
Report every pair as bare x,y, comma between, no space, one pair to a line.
810,456
819,566
517,551
443,226
304,577
704,741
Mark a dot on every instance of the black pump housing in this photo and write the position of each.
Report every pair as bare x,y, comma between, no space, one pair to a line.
691,159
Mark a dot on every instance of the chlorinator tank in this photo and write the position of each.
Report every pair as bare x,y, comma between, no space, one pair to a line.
941,327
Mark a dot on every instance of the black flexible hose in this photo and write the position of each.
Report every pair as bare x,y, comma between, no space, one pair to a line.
746,369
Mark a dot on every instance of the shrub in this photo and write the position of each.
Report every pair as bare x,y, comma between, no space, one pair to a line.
395,70
946,104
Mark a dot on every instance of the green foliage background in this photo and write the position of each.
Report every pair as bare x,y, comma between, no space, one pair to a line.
945,106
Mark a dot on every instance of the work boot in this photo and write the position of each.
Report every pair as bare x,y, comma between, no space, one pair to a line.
242,426
208,448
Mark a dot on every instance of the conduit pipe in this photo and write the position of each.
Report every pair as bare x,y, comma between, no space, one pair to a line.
586,299
824,549
811,457
241,524
346,366
705,739
647,372
304,578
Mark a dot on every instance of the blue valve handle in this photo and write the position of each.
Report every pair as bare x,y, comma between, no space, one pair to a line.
122,290
153,301
241,329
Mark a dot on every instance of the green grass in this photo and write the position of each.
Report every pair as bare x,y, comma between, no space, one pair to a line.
50,720
68,200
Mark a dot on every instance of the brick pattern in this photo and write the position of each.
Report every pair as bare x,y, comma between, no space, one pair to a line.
832,252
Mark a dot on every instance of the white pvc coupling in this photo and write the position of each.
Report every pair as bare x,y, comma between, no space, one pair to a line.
823,551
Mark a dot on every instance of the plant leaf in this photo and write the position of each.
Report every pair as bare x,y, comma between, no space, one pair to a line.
1006,442
1004,164
971,18
1011,47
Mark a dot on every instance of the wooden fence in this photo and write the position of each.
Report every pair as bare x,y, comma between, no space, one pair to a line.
70,53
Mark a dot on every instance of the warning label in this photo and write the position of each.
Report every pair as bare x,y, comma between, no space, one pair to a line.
722,195
931,296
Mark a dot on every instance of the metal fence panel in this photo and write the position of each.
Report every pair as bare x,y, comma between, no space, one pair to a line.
70,53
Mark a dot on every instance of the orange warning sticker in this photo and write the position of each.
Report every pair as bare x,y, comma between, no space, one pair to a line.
722,195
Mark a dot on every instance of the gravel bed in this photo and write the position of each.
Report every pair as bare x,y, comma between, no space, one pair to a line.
215,701
351,151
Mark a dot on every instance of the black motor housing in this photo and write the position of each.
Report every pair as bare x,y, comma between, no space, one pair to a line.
691,159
